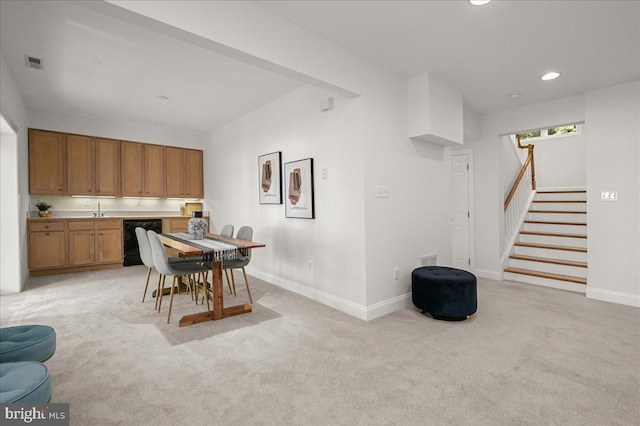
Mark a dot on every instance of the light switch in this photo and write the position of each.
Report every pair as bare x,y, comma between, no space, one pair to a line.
382,191
609,196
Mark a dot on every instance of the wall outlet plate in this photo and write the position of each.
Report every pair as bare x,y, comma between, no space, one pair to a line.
609,196
382,191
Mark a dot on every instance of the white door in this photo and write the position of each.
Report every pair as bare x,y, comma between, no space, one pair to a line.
460,211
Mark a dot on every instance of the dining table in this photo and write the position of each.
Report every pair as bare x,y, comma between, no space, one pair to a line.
214,250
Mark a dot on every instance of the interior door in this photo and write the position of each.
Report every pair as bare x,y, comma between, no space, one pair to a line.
460,216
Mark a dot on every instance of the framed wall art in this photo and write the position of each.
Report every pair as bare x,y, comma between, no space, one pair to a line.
298,180
269,171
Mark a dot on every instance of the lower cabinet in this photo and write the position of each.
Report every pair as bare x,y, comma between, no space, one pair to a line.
68,245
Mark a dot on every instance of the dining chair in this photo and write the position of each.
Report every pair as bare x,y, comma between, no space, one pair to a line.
177,270
227,231
244,233
147,259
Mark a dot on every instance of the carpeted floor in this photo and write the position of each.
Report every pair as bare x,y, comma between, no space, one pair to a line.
531,355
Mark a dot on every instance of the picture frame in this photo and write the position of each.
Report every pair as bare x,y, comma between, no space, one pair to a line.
298,181
269,178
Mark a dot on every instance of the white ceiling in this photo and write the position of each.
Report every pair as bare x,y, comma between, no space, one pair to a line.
97,65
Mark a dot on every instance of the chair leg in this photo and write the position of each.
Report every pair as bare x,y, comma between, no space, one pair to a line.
158,290
226,273
173,286
146,285
247,284
164,278
233,283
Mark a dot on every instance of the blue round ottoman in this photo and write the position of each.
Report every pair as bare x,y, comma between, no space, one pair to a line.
445,293
27,343
26,381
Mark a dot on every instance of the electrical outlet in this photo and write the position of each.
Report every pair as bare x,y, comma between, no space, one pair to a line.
382,191
396,273
139,203
86,203
310,265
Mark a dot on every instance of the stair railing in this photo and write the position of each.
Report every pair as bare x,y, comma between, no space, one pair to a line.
517,203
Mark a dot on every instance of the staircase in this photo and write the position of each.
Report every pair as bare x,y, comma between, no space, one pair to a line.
551,249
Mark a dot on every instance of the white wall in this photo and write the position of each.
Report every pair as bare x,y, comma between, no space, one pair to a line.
14,109
561,162
613,228
334,240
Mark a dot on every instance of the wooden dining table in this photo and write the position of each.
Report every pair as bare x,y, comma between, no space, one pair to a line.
189,248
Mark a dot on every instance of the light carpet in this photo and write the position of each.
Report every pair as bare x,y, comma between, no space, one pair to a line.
531,355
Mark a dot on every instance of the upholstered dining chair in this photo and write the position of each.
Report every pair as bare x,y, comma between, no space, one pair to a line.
227,231
244,233
177,270
147,259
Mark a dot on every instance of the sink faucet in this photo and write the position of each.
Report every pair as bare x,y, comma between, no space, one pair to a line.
98,214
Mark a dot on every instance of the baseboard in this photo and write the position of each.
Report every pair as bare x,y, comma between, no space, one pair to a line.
613,297
343,305
386,307
492,275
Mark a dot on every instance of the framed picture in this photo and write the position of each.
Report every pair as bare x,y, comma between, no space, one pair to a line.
298,181
269,171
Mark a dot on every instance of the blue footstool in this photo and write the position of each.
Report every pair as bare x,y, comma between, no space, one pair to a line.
27,343
26,381
445,293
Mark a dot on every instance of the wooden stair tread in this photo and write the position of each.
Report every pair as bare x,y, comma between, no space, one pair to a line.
552,234
572,191
559,201
548,260
551,247
556,211
546,275
544,222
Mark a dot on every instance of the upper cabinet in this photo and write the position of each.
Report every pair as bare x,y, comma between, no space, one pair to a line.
66,164
184,173
46,163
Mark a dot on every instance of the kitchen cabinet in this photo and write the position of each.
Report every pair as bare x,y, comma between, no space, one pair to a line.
47,245
142,170
184,173
67,245
80,160
46,163
106,166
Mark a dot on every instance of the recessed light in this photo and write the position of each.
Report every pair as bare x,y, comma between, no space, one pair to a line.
162,97
479,2
514,95
550,76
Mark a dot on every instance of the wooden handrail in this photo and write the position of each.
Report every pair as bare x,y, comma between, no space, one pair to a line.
529,159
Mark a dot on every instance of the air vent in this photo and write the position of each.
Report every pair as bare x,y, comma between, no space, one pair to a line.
33,62
428,260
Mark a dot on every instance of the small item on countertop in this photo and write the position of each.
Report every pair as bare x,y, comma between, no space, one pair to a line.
182,210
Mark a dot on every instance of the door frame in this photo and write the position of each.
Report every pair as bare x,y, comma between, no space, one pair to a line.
472,246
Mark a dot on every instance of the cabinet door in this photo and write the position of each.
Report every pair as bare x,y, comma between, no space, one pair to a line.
79,165
82,246
178,224
194,175
47,250
175,173
110,246
153,171
106,166
46,163
131,169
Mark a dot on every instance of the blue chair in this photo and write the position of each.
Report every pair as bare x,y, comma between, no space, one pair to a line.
24,382
27,343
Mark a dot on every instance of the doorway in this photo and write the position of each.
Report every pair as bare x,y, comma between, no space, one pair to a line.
461,217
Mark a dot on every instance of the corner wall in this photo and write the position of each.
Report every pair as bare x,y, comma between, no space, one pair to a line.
14,109
613,160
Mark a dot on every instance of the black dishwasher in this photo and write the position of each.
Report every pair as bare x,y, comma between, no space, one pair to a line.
131,250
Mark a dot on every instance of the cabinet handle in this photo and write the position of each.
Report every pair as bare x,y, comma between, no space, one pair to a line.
46,233
60,189
89,190
46,227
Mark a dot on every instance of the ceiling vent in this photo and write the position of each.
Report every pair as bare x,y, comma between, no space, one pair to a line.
32,62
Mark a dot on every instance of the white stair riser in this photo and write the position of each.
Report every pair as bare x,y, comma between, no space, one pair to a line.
554,241
573,271
546,282
558,217
572,207
562,229
553,254
561,196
